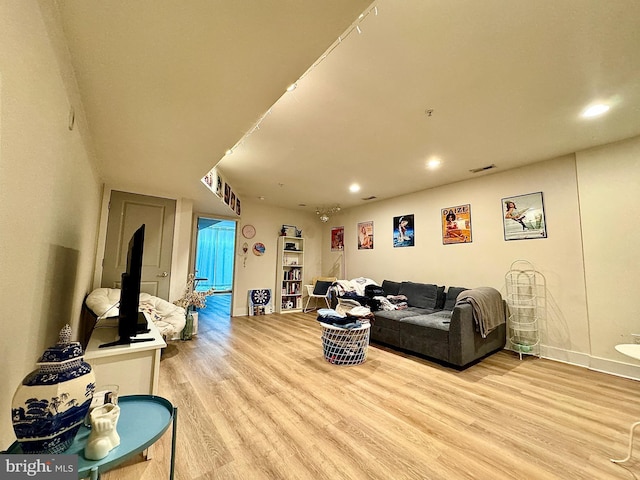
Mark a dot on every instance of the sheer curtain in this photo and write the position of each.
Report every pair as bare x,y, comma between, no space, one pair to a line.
215,252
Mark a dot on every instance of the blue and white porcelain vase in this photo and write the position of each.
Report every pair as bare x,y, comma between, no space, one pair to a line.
51,403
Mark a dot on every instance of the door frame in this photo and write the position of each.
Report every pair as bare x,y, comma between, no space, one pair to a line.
194,236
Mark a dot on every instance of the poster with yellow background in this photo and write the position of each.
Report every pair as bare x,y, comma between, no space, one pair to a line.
456,224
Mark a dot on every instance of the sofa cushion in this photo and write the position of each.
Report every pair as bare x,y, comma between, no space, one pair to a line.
422,295
383,316
437,320
452,295
426,335
390,288
441,297
380,334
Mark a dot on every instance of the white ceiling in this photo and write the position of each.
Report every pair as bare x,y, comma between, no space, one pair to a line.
168,86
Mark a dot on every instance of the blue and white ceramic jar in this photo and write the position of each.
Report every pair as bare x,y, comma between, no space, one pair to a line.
50,405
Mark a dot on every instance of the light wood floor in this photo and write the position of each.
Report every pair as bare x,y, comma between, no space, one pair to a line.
256,400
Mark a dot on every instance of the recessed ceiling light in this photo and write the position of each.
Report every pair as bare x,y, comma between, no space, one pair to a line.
354,187
292,87
433,163
595,110
228,152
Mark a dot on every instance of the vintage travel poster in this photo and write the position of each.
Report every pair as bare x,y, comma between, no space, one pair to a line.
403,231
456,224
365,236
523,217
337,238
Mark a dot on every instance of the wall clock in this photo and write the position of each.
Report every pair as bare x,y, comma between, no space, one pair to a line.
248,231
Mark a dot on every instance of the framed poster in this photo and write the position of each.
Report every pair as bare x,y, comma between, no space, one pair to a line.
403,231
232,202
365,236
208,179
456,224
227,193
218,185
337,238
523,217
238,209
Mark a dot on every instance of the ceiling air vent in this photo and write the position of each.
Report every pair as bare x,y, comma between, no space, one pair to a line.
482,169
369,198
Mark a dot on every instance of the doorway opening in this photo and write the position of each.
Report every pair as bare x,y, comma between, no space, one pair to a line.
214,262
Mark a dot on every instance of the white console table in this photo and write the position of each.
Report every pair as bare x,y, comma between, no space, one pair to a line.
134,367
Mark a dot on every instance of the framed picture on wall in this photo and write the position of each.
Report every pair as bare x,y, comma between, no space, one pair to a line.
208,180
523,217
365,236
456,224
337,238
227,193
218,185
403,231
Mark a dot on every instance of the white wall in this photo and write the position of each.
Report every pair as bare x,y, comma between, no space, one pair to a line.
260,271
49,201
585,318
609,180
182,245
485,261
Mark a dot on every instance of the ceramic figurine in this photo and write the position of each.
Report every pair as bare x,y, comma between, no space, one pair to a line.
104,435
50,404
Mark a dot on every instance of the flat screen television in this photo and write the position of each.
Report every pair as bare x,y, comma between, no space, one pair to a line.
131,322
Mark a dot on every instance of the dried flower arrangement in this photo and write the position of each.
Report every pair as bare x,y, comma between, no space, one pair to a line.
191,298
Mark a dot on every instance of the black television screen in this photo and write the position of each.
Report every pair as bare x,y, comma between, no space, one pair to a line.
130,321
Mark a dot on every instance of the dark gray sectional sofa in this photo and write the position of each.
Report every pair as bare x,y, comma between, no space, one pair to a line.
433,325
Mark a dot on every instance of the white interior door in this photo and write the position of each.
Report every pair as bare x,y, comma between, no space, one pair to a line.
127,211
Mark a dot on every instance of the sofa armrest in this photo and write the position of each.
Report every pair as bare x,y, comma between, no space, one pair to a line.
461,332
465,342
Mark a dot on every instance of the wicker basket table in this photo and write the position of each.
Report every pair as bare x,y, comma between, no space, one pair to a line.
345,346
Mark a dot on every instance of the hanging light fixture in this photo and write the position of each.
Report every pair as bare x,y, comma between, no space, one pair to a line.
324,212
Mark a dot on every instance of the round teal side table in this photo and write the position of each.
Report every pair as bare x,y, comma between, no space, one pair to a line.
143,420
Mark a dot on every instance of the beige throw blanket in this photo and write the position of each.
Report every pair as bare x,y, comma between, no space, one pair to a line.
488,309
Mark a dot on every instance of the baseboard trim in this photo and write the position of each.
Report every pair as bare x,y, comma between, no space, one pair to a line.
565,356
621,369
598,364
